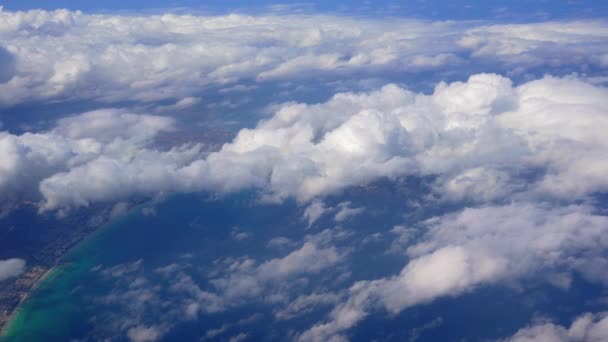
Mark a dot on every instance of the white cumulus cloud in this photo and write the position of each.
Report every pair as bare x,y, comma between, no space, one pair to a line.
68,55
482,138
11,268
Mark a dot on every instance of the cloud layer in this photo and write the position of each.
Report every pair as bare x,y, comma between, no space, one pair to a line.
484,139
110,58
480,136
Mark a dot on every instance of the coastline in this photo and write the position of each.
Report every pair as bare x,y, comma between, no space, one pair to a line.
4,329
46,275
26,285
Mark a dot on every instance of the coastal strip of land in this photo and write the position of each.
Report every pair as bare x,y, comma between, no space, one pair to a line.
43,262
16,292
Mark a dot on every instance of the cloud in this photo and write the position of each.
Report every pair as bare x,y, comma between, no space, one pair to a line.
245,280
239,337
275,281
308,259
107,178
109,125
213,333
587,327
525,236
417,332
305,304
69,55
345,212
557,126
484,140
11,268
107,148
479,136
7,65
480,246
313,212
535,44
279,242
317,209
403,238
240,235
144,334
177,291
142,295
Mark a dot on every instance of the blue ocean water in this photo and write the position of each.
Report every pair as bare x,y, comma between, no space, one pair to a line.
86,298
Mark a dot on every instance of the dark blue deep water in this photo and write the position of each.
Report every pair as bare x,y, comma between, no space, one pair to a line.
93,294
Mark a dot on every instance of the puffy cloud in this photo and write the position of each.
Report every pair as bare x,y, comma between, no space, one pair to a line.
484,138
11,268
146,58
565,133
587,327
109,143
478,246
108,178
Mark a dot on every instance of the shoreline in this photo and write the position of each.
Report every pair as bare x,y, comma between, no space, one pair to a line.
45,275
33,288
24,286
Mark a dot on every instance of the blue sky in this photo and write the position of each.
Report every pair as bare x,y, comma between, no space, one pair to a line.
518,10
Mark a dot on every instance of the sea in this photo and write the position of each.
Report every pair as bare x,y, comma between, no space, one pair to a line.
134,277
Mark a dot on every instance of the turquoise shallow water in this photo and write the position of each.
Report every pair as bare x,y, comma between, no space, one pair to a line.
62,306
72,302
51,312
